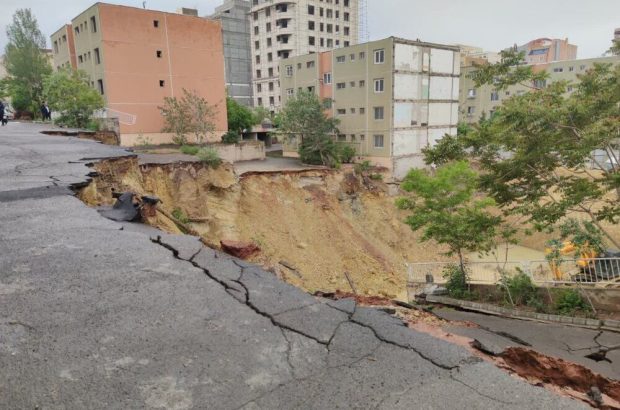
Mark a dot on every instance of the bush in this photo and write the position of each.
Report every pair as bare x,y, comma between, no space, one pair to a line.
346,153
93,125
456,281
570,301
180,215
231,137
521,289
376,177
209,156
362,167
189,149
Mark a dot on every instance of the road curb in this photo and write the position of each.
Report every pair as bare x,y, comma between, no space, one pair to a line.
603,324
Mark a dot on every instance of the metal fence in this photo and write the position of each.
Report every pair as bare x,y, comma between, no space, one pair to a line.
599,271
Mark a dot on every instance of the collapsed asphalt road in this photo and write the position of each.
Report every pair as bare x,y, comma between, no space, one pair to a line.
99,314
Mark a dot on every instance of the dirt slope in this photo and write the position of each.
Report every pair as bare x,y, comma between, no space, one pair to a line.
320,223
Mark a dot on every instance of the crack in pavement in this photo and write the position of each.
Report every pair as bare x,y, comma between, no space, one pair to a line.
479,392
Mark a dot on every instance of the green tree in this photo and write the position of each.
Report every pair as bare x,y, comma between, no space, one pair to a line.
615,48
190,114
239,117
260,113
25,62
550,153
68,93
446,209
303,118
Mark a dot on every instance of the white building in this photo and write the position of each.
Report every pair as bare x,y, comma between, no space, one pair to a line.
284,29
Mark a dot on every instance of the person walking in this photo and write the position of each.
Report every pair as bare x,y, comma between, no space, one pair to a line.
2,115
48,111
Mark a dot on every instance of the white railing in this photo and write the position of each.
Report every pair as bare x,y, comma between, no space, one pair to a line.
599,271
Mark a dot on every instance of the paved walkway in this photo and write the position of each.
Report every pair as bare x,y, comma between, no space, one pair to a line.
100,315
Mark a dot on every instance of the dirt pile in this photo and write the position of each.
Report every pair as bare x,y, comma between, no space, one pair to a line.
314,228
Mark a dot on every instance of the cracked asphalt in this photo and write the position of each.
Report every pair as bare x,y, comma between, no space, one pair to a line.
104,315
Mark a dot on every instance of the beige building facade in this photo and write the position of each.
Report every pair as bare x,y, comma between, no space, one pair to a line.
282,30
392,97
483,101
547,50
136,57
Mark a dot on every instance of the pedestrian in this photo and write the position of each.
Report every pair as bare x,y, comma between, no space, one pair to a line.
49,112
2,115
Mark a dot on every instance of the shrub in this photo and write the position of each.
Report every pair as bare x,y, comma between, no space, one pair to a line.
569,301
521,290
209,156
180,215
456,281
362,167
231,137
189,149
346,153
376,177
93,125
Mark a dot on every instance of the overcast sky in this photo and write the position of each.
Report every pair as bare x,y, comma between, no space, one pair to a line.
490,24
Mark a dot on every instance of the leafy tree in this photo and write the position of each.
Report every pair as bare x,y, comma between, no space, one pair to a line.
303,118
239,116
445,208
549,153
260,113
190,114
25,63
615,48
68,93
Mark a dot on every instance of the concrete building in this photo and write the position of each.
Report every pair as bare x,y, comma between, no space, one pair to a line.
547,50
136,57
393,97
234,17
475,102
63,48
475,55
285,29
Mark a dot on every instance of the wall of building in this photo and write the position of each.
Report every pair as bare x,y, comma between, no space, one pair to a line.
233,15
63,48
485,100
547,50
145,56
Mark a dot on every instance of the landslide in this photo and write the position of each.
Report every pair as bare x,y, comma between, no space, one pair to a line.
312,226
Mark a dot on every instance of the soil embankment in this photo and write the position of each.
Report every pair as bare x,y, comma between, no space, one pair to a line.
314,228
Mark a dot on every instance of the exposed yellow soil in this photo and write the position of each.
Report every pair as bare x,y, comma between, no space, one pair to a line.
321,223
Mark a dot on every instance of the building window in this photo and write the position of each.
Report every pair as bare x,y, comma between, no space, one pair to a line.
378,140
256,30
80,59
93,24
268,12
310,64
162,83
346,16
342,137
100,86
272,101
311,10
352,110
352,57
347,43
471,93
558,70
269,57
290,92
258,59
471,110
362,55
56,47
268,27
341,86
270,86
571,68
362,83
379,113
494,96
340,59
352,84
311,41
330,43
77,30
540,83
255,15
582,67
289,70
269,42
258,74
158,53
362,137
379,85
97,56
327,78
352,137
155,23
270,71
379,56
341,111
346,31
362,110
260,102
259,88
311,25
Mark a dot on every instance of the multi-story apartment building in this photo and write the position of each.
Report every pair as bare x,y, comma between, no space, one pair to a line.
476,102
472,54
63,48
547,50
285,29
392,97
233,15
137,57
